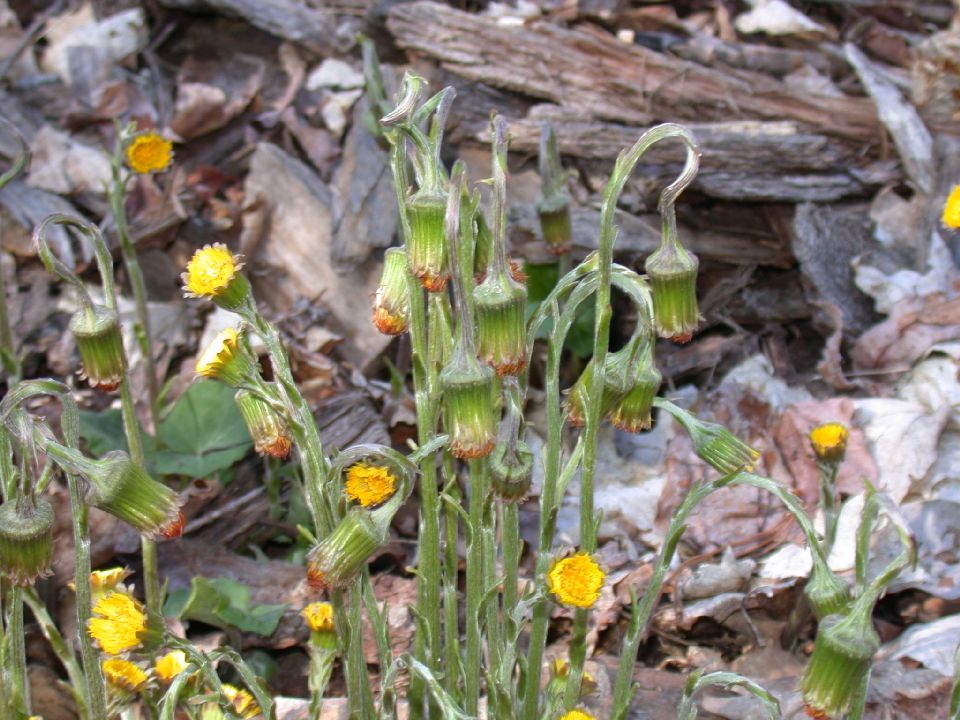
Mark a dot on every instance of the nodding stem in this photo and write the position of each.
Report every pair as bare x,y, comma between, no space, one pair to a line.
409,95
56,267
22,162
458,189
552,174
498,260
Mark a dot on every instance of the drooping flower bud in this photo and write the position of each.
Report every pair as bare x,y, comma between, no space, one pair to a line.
511,470
633,412
500,304
712,442
554,207
672,270
841,659
469,403
123,489
26,540
100,344
335,561
621,373
391,308
427,245
268,429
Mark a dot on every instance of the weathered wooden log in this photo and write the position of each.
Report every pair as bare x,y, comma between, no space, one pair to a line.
594,72
311,28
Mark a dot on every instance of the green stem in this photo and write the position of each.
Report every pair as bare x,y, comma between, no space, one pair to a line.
578,655
17,654
358,690
451,633
59,646
474,648
828,501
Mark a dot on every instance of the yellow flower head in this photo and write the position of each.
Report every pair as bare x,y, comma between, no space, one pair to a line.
124,675
210,271
561,670
218,353
577,715
951,210
149,152
170,665
319,616
243,703
118,623
576,580
103,581
829,441
369,485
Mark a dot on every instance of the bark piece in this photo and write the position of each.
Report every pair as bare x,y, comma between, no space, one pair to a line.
288,227
588,68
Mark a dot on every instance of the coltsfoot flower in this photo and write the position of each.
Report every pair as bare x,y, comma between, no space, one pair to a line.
369,485
26,540
500,304
319,616
124,675
168,666
243,703
214,272
829,441
149,152
119,623
577,715
576,580
951,209
469,401
226,360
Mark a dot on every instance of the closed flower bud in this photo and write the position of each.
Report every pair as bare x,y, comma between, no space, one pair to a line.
501,304
26,540
622,370
841,659
633,412
228,359
335,561
427,244
469,403
713,443
123,489
511,470
673,279
100,344
391,308
826,593
214,272
268,430
555,223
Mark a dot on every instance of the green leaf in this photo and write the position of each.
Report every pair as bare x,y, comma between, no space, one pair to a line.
203,434
224,603
103,433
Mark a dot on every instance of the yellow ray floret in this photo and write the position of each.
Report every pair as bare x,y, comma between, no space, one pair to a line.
149,152
829,440
220,352
577,715
170,665
243,703
118,623
951,209
319,616
210,271
124,675
576,580
369,485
